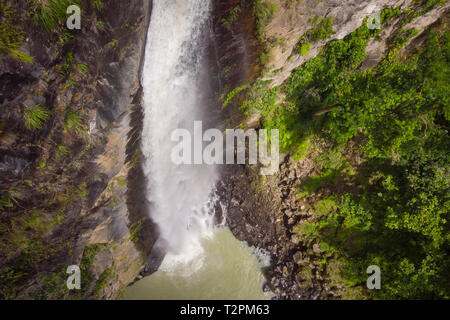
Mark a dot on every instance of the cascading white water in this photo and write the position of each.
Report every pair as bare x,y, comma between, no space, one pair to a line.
174,97
201,263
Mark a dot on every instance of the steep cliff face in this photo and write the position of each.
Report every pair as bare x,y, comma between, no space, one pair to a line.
292,21
69,139
236,50
289,213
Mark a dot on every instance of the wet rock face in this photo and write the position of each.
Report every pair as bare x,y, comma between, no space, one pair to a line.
75,180
120,214
236,45
236,50
14,164
11,85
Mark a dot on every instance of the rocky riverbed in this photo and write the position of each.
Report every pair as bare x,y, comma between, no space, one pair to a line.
263,213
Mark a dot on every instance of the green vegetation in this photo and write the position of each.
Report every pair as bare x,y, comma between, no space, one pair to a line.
102,281
430,4
264,13
135,231
87,279
230,96
34,236
304,49
322,28
233,15
113,43
392,209
329,177
97,4
67,64
84,67
35,117
74,122
325,206
22,240
7,200
290,3
11,35
52,286
303,46
398,222
100,25
54,13
61,151
263,58
135,159
121,183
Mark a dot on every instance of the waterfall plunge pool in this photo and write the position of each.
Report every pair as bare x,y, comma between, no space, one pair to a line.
228,269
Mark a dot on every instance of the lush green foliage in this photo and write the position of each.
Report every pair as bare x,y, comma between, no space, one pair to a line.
430,4
230,96
232,16
264,12
322,28
380,100
397,114
395,102
7,200
399,223
304,49
97,4
35,117
54,14
74,122
11,35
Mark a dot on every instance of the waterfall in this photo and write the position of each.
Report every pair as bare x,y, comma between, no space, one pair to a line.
175,83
